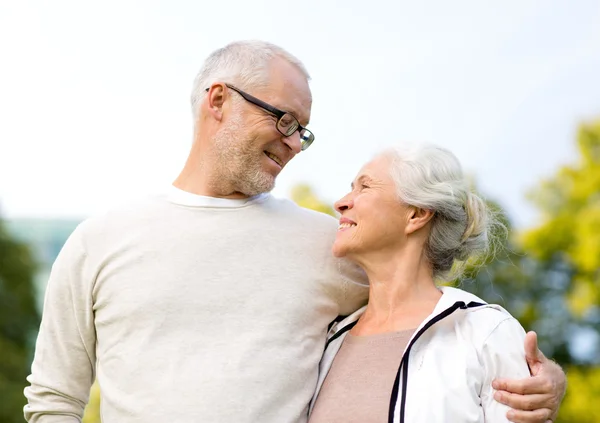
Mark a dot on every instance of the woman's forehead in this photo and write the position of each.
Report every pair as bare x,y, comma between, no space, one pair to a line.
376,168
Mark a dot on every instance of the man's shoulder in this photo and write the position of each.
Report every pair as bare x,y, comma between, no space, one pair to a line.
125,217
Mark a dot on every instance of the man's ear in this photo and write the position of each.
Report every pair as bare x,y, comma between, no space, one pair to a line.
417,218
215,100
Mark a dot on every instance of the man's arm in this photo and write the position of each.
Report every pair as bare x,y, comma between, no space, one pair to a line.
353,286
537,398
64,362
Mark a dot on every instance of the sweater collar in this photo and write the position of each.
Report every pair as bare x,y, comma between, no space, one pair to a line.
184,198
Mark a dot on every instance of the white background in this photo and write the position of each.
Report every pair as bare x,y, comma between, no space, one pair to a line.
94,96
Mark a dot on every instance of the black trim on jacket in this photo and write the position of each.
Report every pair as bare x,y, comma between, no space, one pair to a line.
340,333
404,363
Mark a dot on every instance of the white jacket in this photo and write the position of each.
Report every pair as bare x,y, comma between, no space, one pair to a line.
452,358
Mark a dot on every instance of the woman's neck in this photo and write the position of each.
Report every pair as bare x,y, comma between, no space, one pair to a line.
402,292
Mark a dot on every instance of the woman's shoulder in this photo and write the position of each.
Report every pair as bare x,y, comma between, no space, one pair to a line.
490,322
482,320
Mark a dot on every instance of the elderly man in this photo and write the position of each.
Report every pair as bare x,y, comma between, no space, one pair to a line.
211,303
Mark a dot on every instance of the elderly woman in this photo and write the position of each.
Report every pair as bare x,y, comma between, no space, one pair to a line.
417,352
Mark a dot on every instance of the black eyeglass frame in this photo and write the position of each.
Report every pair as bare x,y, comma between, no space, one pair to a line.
279,114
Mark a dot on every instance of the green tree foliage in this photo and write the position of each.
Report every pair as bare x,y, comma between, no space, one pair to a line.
304,196
92,410
581,402
570,232
532,291
19,321
568,242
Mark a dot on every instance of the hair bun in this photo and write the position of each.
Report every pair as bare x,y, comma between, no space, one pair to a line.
475,236
476,210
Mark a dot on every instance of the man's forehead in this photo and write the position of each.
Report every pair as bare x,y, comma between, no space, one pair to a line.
301,112
291,100
289,90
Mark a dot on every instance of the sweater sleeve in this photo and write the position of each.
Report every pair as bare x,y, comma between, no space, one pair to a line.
502,355
63,368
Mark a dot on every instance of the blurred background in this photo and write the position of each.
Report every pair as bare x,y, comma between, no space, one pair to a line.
94,111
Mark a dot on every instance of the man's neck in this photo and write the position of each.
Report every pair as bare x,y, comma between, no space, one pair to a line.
196,178
198,188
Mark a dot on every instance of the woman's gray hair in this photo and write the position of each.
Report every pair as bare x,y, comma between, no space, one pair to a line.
431,178
243,63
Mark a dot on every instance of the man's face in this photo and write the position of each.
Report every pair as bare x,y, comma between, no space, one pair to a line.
250,151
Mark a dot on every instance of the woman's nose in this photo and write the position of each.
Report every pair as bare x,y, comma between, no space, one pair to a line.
343,204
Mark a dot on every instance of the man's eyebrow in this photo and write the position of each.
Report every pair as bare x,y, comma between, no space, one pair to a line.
296,115
292,112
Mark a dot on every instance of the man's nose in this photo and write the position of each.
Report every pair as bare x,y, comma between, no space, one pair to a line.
293,142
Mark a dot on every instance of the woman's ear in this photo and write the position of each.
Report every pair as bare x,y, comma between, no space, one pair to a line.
417,219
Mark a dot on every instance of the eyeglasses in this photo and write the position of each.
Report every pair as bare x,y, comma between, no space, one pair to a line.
287,123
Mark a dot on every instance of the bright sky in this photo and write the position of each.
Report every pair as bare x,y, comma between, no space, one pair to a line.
94,96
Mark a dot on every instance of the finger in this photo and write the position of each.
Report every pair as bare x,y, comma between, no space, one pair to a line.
533,355
531,346
537,416
523,402
530,385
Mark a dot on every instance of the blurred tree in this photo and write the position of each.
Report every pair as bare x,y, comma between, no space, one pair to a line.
19,321
532,291
304,196
581,402
92,410
568,242
549,278
570,232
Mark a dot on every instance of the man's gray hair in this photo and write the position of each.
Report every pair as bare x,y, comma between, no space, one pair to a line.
463,226
242,63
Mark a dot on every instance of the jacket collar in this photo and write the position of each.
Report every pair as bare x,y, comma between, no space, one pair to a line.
449,297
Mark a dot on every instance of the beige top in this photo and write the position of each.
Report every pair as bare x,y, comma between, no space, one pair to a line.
359,384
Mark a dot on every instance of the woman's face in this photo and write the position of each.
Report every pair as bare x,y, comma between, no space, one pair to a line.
372,218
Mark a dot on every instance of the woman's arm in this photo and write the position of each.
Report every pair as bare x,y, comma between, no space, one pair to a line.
502,356
536,398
